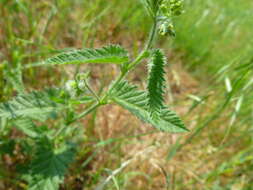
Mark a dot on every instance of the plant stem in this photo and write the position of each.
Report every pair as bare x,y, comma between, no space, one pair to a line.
151,35
92,91
60,131
86,112
148,45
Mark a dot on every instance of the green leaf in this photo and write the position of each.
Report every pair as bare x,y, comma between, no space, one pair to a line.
3,124
136,102
50,165
7,146
38,105
14,77
26,126
108,54
156,82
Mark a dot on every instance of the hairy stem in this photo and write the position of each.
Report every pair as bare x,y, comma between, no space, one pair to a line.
86,112
91,91
151,35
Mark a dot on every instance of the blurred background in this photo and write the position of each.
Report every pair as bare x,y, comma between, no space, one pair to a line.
209,84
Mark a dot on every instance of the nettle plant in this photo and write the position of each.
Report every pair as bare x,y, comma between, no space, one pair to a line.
52,149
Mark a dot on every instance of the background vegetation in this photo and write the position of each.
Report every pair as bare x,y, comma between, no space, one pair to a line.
209,76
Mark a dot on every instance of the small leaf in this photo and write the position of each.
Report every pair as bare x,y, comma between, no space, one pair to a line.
136,102
108,54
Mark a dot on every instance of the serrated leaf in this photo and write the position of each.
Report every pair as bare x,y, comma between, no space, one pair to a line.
14,77
49,167
108,54
27,126
156,82
136,102
37,105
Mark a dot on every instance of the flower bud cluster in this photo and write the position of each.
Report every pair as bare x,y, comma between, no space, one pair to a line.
72,87
169,9
77,86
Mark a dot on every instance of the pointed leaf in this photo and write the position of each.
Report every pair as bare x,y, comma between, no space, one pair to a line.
156,82
136,102
108,54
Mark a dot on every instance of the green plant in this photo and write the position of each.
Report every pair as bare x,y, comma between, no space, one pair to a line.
51,150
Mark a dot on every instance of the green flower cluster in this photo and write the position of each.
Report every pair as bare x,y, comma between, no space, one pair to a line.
167,10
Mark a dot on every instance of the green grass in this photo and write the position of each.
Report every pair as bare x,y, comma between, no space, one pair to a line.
215,38
214,33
